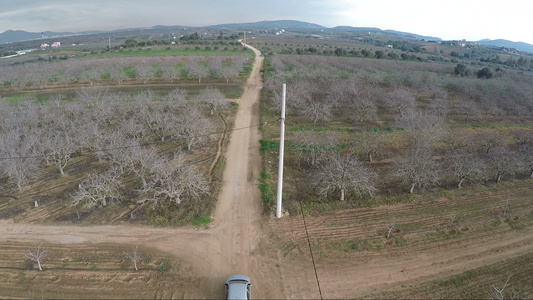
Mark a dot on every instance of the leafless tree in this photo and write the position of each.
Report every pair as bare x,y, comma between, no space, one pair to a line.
36,254
489,139
422,129
141,160
171,72
99,189
505,205
525,158
196,69
92,75
19,159
193,127
144,72
418,169
176,181
390,228
401,100
309,101
212,97
370,143
362,102
458,140
59,144
313,146
117,73
342,172
454,219
503,294
463,165
134,256
502,162
229,72
469,109
176,98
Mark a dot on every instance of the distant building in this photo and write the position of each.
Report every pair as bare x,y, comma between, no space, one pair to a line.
56,45
44,46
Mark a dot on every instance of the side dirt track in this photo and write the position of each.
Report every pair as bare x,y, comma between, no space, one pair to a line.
274,253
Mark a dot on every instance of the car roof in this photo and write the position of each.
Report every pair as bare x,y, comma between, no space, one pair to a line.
237,290
238,277
238,286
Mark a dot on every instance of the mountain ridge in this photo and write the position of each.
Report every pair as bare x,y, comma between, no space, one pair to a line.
12,36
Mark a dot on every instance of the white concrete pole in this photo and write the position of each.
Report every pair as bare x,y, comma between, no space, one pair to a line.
281,150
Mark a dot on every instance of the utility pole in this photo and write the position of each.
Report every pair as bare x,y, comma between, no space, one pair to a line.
245,35
281,150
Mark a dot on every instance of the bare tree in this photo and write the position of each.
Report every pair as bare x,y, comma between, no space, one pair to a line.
229,72
19,160
134,256
469,109
505,205
175,181
144,72
422,129
458,140
36,254
390,228
193,127
502,162
141,160
59,144
196,70
463,165
212,97
489,139
99,189
525,156
370,143
176,98
309,101
418,169
343,172
117,73
313,146
503,294
401,100
171,72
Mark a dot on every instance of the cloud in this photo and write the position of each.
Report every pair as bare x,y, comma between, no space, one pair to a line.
450,19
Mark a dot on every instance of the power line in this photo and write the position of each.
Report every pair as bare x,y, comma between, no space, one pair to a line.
138,145
307,234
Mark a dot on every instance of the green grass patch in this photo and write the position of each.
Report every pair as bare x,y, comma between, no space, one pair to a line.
267,145
202,221
267,195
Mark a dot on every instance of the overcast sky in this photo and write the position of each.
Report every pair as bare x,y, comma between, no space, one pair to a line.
447,19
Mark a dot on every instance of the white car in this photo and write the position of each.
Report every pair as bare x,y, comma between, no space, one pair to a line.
238,287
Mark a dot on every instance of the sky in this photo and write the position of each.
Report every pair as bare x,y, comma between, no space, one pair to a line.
448,19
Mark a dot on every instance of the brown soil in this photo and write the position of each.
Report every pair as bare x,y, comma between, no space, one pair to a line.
273,252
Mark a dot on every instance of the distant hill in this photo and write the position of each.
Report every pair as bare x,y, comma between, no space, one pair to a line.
520,46
272,24
394,33
12,36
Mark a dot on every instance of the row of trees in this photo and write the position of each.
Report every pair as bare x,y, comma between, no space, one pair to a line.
320,89
117,69
425,154
123,132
